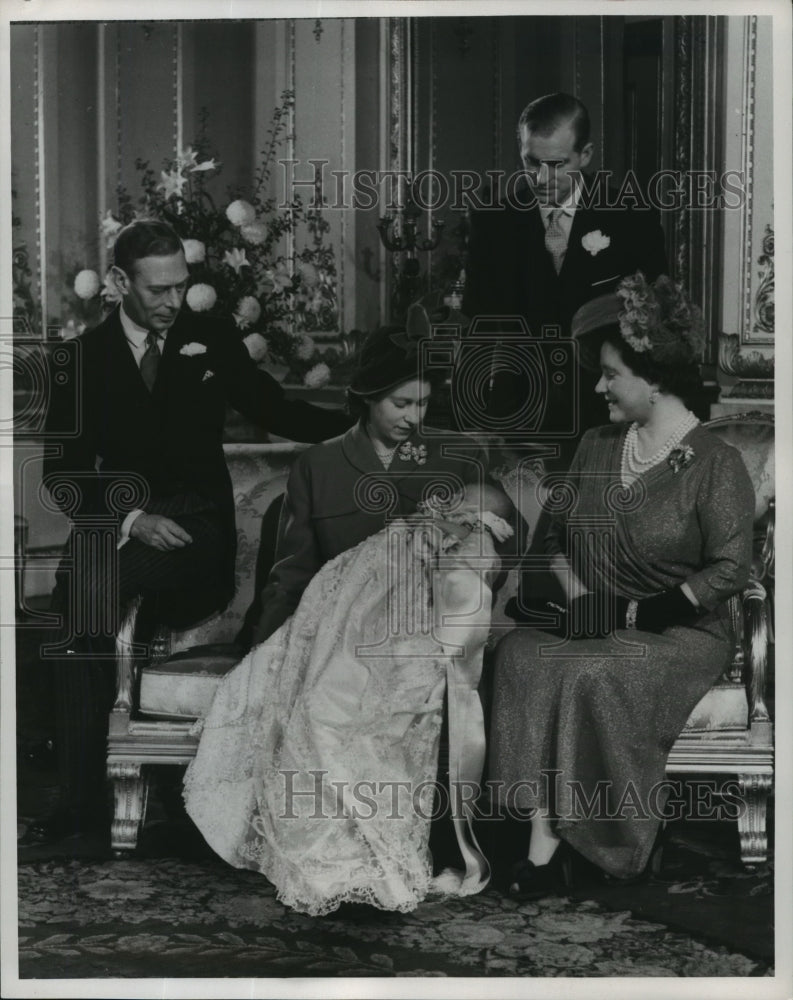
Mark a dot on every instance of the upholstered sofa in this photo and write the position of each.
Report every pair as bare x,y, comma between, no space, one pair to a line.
162,693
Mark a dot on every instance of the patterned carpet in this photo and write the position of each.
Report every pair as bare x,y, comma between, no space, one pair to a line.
174,918
175,911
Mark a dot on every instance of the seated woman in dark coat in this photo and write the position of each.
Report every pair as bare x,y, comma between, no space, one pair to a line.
318,757
381,468
651,535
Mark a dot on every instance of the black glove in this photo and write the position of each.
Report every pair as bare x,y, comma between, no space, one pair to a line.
596,615
538,613
654,614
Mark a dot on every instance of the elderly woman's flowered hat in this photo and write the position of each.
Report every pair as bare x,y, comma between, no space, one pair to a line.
655,319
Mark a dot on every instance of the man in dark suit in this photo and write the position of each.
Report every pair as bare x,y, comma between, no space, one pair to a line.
557,239
145,483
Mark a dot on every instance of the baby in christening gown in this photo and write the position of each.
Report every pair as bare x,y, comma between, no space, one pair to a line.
318,758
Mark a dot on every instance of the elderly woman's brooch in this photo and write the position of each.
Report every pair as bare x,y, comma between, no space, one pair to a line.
680,458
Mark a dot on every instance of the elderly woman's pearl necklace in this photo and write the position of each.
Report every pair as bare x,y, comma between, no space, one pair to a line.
633,465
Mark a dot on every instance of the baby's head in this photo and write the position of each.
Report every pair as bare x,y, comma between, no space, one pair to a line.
479,497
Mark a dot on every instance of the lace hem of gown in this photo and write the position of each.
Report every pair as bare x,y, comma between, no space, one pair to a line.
344,701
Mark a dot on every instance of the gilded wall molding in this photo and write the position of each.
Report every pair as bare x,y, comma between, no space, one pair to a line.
747,305
764,298
682,141
40,184
749,82
340,282
498,101
178,89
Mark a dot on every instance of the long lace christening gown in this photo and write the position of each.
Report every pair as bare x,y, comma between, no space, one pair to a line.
317,761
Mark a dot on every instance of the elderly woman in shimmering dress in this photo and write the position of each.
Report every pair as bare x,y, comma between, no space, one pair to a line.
650,535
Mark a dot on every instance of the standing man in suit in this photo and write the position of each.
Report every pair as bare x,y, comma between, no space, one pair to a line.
555,241
145,474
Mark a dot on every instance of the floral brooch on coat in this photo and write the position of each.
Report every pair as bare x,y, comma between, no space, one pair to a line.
680,458
410,451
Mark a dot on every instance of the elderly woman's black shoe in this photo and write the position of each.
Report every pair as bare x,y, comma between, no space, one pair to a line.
530,881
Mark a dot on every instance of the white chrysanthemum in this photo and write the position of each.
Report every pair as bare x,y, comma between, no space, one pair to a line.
201,297
240,213
256,345
247,312
87,284
306,347
194,251
254,232
317,376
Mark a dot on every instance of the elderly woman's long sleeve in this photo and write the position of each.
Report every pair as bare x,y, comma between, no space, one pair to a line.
725,510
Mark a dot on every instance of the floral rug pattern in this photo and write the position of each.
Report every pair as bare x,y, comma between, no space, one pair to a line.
165,917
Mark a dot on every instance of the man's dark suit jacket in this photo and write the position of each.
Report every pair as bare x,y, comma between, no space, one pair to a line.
172,437
509,272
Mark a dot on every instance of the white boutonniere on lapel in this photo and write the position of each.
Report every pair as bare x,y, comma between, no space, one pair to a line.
190,350
208,374
595,241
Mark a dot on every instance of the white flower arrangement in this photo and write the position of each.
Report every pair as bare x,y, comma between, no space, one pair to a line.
317,376
241,213
195,252
247,312
306,348
255,233
201,297
256,345
234,249
109,228
87,284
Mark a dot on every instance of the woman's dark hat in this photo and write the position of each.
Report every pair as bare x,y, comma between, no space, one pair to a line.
391,355
594,317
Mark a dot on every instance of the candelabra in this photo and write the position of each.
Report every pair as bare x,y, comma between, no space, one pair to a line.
399,234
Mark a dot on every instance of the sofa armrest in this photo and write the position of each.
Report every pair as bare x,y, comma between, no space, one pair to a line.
755,618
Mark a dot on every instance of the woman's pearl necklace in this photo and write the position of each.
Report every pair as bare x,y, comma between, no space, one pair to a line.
385,455
633,465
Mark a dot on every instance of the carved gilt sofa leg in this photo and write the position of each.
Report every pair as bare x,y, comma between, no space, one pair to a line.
752,819
130,791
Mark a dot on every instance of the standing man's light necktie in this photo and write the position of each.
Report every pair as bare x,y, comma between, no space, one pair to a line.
555,239
150,361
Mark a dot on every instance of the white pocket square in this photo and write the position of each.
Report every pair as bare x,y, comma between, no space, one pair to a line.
207,375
